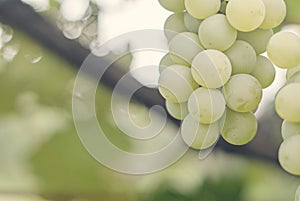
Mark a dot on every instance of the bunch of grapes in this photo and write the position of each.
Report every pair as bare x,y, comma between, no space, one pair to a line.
213,76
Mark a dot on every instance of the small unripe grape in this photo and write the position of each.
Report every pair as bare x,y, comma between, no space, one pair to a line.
202,9
174,25
289,129
177,110
264,71
173,5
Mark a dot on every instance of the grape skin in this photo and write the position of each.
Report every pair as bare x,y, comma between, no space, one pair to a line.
290,72
177,110
289,129
275,13
191,23
174,25
202,9
173,5
165,62
264,71
295,78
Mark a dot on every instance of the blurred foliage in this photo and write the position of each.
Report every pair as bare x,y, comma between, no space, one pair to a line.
293,14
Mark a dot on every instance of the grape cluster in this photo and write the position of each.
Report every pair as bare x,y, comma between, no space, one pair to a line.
213,76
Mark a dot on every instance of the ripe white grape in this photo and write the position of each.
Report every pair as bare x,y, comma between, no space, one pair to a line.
245,15
165,62
242,57
176,83
174,25
173,5
242,93
275,13
202,9
291,71
191,23
264,71
295,78
197,135
177,110
258,39
284,49
206,105
289,129
287,102
216,33
297,196
289,154
238,128
211,68
185,46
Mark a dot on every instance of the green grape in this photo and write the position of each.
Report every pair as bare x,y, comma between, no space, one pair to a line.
275,13
174,25
165,62
289,129
295,78
177,110
288,155
197,135
242,57
242,93
264,71
258,39
245,15
173,5
176,83
287,102
202,9
191,23
185,46
206,105
238,128
211,68
297,196
284,49
291,71
216,33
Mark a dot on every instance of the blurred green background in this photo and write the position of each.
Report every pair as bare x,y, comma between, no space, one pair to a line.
42,158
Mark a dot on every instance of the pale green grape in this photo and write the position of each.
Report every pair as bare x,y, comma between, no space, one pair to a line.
297,196
165,62
173,5
264,71
174,25
289,129
242,57
287,102
202,9
185,46
275,13
245,15
191,23
197,135
289,155
216,33
295,78
177,110
284,49
211,68
176,83
291,71
206,105
242,93
258,39
238,128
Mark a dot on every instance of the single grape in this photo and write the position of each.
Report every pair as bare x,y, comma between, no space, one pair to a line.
206,105
202,9
238,128
242,93
275,13
258,39
211,68
264,71
291,71
245,15
184,47
297,196
295,78
176,83
287,102
197,135
284,49
173,5
177,110
289,129
242,57
191,23
288,155
165,62
216,33
174,25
